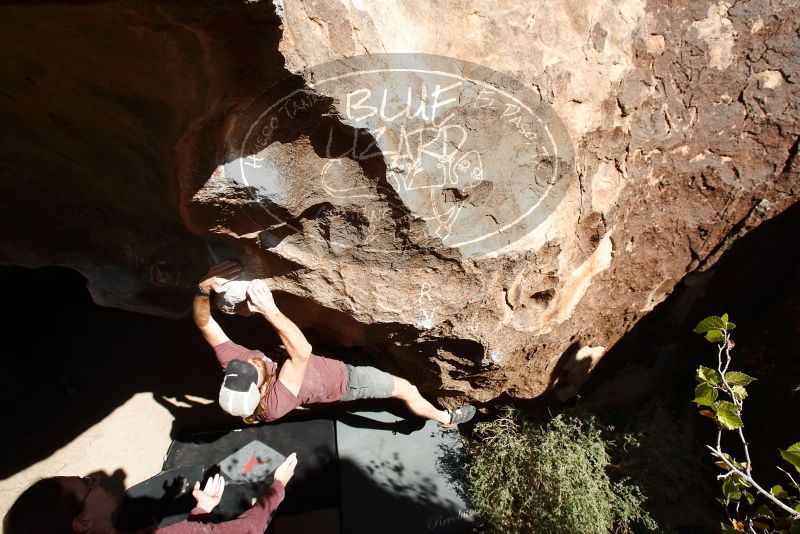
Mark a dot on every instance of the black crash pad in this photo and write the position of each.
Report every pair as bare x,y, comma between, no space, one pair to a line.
315,485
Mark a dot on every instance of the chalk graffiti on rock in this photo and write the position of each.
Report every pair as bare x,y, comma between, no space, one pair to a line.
427,309
473,157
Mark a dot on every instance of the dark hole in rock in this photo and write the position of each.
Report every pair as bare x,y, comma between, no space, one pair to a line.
543,297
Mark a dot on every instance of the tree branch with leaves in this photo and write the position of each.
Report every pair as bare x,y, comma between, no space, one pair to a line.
720,395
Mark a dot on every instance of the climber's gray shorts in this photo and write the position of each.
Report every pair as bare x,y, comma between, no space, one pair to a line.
365,382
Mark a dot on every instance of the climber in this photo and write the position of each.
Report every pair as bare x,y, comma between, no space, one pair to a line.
255,388
80,506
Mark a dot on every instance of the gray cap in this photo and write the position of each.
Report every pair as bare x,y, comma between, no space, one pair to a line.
239,393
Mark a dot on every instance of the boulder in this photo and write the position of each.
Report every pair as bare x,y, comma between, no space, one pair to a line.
485,196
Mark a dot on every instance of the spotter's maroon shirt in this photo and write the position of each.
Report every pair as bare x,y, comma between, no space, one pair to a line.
253,521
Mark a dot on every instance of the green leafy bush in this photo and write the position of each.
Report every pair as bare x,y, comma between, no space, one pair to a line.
555,477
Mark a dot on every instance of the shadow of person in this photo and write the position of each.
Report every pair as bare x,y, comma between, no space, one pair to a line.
137,512
403,426
114,484
160,500
192,413
345,412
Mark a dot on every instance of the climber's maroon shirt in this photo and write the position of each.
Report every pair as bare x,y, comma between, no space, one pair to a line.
325,380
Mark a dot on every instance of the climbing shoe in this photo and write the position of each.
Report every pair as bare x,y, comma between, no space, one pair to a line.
460,415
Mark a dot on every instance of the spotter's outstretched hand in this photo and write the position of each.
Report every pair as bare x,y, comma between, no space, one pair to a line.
285,471
208,498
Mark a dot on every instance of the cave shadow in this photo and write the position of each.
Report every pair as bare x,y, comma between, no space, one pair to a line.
139,166
87,360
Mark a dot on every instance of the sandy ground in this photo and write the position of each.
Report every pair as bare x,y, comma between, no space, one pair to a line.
133,438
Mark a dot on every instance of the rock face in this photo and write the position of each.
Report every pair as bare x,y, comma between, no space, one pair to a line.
484,197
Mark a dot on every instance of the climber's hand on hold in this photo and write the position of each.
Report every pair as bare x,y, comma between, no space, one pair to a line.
219,275
259,299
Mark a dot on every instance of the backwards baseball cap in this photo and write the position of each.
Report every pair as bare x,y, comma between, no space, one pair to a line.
239,393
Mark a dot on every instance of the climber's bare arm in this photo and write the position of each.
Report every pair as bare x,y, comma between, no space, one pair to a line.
201,311
201,308
293,371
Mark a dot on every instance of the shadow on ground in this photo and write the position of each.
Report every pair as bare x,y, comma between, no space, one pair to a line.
69,363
